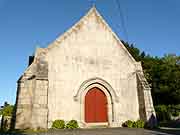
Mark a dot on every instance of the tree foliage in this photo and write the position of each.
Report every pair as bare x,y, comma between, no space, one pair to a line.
7,110
163,74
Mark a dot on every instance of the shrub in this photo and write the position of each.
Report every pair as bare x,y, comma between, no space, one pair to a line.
134,124
162,112
175,113
73,124
140,123
58,124
174,110
128,123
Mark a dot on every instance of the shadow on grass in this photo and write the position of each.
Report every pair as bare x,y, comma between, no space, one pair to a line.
171,124
169,127
168,131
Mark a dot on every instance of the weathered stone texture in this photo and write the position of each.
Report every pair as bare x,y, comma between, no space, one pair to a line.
31,102
88,55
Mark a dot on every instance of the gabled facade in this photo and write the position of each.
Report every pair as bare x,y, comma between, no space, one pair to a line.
86,74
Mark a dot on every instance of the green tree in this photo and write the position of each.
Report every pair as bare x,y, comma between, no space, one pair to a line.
163,74
7,110
135,52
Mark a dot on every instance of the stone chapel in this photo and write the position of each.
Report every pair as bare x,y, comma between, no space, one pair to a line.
87,75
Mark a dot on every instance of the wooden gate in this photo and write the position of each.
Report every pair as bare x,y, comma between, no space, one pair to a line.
95,106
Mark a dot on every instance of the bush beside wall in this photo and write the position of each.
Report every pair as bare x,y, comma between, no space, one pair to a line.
73,124
134,124
58,124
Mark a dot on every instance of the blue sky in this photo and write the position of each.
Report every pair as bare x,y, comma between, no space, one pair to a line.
152,25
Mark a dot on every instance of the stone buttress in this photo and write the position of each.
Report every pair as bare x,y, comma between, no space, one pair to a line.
31,101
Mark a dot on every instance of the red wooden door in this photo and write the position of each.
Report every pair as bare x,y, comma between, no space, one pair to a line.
95,106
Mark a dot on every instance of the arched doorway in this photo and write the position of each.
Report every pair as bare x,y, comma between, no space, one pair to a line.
95,106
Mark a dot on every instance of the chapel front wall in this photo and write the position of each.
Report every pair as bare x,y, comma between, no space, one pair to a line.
89,52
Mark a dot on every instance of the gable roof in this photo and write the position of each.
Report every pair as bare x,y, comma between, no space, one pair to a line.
75,27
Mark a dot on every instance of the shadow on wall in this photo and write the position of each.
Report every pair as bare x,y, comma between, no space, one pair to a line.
13,119
152,122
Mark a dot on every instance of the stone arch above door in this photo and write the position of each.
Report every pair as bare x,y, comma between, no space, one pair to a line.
106,89
98,82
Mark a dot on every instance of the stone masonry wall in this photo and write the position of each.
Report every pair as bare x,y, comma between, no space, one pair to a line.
32,93
39,111
24,104
90,51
